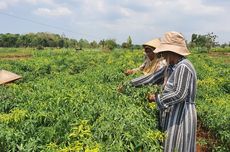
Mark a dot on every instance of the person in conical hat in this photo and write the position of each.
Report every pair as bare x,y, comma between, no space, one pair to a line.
151,62
178,117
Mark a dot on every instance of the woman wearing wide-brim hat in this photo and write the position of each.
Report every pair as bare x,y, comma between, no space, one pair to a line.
151,63
178,117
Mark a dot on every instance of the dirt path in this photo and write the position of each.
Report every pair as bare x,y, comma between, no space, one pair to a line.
16,57
224,55
218,54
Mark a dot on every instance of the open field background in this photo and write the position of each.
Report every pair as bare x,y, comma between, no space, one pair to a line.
68,101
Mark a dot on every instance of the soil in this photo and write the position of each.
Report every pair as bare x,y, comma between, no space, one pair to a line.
218,54
205,140
225,55
16,57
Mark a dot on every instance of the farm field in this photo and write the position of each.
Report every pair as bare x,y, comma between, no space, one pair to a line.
68,101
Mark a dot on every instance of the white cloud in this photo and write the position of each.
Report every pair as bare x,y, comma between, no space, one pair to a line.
142,20
196,7
3,5
145,19
125,12
60,11
185,6
50,2
92,6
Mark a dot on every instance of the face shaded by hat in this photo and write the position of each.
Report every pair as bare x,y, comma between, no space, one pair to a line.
173,42
150,46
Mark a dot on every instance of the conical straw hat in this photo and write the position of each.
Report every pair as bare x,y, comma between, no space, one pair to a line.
174,42
6,76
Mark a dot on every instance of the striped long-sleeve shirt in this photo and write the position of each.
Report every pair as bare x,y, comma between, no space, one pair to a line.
177,109
178,117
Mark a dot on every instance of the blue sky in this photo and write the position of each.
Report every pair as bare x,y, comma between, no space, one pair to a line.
101,19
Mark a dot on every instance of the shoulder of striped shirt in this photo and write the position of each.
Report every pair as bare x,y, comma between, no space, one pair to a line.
188,65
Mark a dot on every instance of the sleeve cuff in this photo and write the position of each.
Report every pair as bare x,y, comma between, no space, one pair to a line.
160,105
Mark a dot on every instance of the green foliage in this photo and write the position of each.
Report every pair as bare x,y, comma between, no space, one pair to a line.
203,41
109,44
221,49
83,43
68,101
93,44
213,96
128,44
40,39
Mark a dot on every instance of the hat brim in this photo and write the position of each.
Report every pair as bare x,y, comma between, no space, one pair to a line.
153,43
181,50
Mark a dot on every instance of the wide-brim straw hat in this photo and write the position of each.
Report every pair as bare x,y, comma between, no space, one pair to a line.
173,42
153,43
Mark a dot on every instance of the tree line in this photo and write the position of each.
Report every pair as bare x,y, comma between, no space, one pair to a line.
205,42
44,39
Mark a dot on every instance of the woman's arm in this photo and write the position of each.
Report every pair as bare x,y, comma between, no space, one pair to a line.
180,88
153,78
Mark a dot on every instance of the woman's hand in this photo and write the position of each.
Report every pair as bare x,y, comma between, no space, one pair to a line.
120,88
128,72
151,98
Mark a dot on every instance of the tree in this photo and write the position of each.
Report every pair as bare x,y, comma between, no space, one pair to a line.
208,40
93,44
136,46
110,44
124,45
129,42
83,43
61,43
102,43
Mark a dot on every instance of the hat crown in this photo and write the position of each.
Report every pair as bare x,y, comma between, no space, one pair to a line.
173,38
173,42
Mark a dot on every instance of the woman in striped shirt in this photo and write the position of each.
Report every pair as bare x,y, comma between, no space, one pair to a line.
178,118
